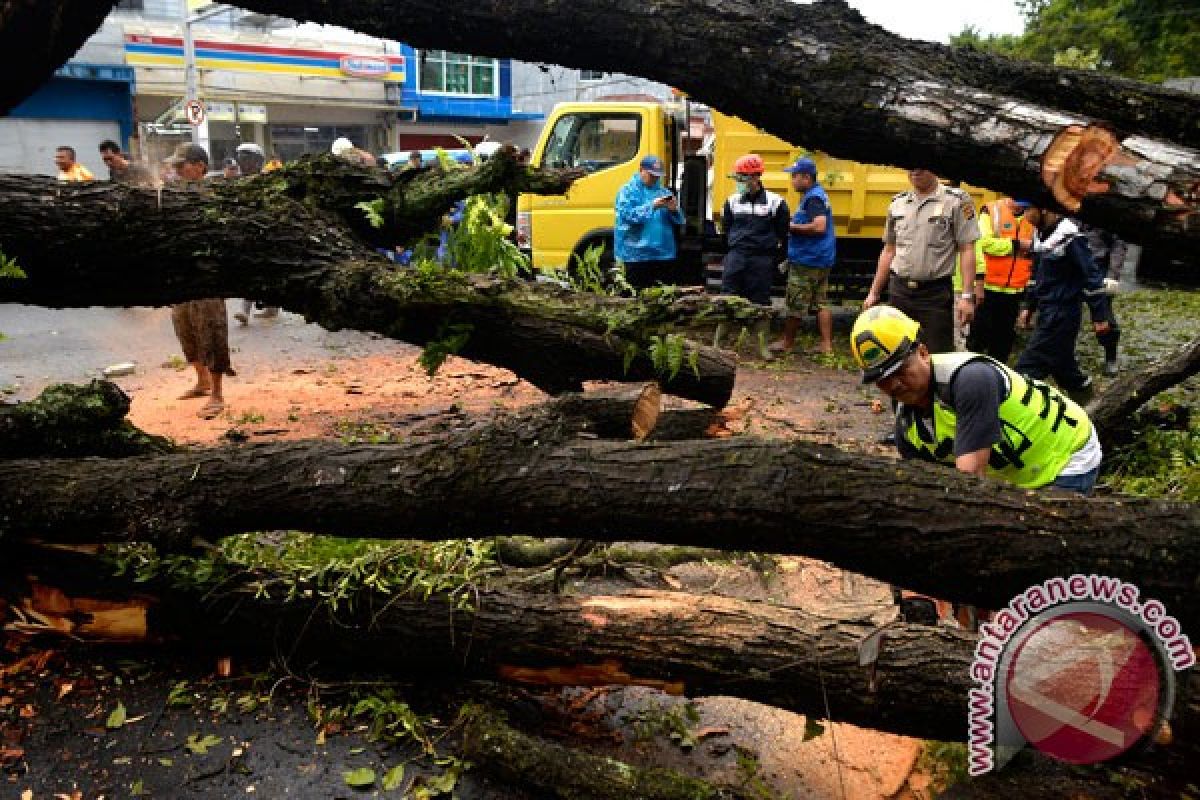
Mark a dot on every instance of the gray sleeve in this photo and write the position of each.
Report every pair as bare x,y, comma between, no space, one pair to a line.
976,392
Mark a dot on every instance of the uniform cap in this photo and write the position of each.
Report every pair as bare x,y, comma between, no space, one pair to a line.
803,165
653,165
188,153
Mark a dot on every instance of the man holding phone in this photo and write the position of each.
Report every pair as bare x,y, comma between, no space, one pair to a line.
644,234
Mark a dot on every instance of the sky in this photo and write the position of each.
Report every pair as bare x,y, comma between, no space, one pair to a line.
937,20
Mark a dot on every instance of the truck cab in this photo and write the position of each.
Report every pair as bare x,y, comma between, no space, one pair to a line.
608,139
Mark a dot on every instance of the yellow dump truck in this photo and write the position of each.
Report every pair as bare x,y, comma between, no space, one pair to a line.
608,139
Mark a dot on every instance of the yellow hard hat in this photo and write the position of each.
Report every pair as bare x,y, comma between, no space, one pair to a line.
881,339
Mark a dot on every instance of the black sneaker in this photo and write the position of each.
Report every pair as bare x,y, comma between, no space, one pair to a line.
1111,368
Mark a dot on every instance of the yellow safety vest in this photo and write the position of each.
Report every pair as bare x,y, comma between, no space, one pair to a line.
1040,428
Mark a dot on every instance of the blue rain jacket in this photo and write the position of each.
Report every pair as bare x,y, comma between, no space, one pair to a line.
643,232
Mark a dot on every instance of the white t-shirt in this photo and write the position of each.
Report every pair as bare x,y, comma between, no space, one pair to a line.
1086,458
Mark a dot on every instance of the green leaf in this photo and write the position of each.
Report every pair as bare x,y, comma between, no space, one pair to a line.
166,762
373,209
812,728
359,778
117,718
393,778
138,789
199,745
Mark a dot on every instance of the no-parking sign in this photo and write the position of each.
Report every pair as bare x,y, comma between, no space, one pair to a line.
194,110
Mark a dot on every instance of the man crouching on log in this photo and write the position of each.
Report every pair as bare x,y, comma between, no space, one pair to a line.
974,412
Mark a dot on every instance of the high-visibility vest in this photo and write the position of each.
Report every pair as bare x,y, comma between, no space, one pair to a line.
1040,428
1007,273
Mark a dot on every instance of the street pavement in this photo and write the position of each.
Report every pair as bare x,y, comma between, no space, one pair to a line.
43,346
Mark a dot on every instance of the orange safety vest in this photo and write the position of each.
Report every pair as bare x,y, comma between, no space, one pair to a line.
1010,272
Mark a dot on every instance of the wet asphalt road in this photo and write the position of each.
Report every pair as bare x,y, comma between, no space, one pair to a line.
44,346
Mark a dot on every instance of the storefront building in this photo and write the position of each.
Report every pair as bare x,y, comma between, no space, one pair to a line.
81,106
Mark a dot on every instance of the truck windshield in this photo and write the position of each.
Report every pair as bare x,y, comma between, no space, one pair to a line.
593,141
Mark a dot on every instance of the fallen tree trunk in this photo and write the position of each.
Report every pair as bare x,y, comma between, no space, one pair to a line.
66,420
913,524
915,684
838,84
108,244
46,34
1113,411
1121,152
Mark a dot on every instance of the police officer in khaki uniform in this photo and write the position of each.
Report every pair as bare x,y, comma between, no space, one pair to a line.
926,229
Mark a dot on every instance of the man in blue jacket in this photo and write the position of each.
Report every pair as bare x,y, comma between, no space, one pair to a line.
644,234
1064,276
812,248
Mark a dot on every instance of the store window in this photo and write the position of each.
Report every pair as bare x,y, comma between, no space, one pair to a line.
457,73
590,75
593,141
131,5
293,141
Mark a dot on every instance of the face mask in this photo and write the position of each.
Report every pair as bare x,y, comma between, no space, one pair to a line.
743,184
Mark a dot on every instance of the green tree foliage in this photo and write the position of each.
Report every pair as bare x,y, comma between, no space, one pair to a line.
1150,40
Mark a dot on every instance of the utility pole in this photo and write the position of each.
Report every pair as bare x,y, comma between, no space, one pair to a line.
191,80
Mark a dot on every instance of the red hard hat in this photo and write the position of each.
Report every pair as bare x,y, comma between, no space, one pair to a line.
748,165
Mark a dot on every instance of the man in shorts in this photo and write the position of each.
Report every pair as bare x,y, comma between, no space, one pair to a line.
812,249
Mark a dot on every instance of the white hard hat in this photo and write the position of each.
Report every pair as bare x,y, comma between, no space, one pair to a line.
341,145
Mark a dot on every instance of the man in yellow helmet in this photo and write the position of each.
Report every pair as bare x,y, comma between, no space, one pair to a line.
971,411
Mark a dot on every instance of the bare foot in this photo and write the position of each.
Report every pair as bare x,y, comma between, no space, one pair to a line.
194,392
211,410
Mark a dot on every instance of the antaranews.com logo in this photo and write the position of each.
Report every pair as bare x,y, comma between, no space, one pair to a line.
1079,667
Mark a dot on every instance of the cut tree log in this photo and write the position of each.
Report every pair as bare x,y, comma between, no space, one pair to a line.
147,247
695,645
913,524
66,420
1120,152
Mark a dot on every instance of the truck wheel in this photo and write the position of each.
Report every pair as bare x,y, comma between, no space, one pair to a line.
604,265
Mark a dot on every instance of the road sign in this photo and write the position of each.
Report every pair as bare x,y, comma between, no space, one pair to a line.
194,110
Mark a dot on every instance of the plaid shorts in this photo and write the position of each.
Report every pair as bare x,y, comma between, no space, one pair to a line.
807,288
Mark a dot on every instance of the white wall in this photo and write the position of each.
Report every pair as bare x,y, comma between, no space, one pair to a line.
27,145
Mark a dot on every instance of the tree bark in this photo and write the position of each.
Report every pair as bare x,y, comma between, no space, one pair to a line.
823,77
681,643
912,524
109,244
45,33
563,772
66,420
820,76
1113,411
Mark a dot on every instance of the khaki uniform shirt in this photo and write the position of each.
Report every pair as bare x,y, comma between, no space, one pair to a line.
927,232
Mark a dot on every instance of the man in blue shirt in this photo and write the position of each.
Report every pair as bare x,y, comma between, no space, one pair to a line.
644,233
811,253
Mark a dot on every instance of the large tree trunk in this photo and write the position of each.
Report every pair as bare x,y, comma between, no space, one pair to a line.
45,33
108,244
913,524
820,76
915,683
